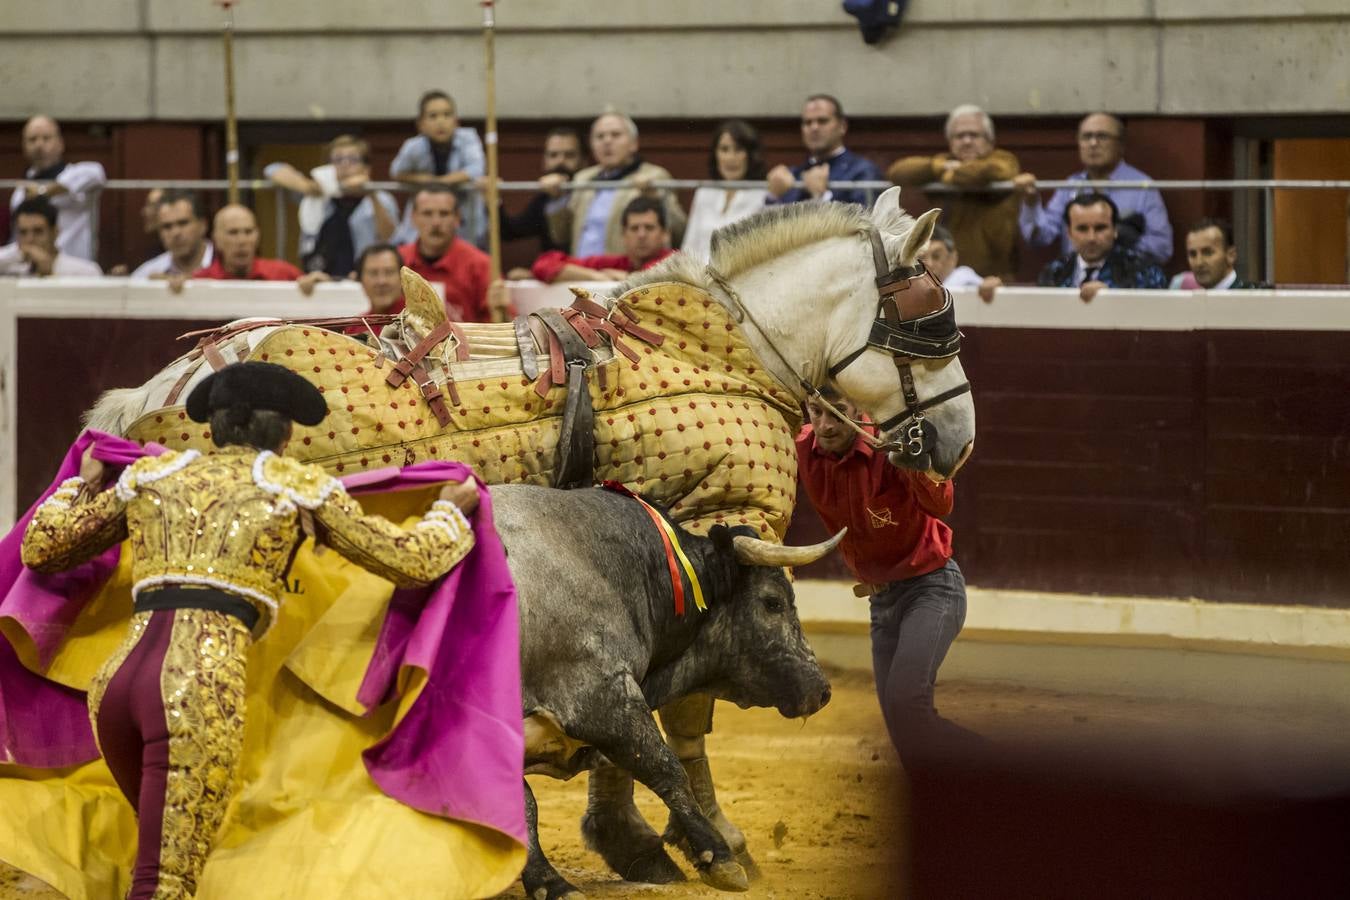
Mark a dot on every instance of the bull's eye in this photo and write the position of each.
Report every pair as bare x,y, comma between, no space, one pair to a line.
774,604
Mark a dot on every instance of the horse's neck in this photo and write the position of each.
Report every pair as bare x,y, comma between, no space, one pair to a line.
799,310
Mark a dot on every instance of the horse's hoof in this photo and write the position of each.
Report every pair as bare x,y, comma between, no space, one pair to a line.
725,876
749,865
653,868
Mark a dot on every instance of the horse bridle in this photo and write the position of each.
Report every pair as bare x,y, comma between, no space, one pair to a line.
915,320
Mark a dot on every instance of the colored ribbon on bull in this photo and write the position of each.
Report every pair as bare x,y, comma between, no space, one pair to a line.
674,551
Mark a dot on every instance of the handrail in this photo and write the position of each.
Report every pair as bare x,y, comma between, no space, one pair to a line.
1267,186
680,184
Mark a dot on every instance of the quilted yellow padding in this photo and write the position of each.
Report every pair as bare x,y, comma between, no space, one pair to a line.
698,424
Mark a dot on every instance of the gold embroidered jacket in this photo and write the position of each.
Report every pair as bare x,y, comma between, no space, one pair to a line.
231,520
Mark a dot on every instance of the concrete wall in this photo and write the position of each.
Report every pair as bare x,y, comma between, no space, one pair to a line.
136,59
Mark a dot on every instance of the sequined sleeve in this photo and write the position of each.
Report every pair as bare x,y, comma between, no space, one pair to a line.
408,557
73,525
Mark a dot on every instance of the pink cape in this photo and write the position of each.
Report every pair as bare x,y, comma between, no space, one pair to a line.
458,752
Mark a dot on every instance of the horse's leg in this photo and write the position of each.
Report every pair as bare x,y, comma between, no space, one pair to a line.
541,880
613,827
687,722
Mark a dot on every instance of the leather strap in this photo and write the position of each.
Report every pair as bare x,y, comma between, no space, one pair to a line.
529,361
409,362
431,392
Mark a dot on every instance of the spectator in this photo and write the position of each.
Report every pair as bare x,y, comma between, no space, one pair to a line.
1213,258
562,158
1101,146
235,233
73,188
590,223
439,255
823,128
182,229
444,153
942,259
983,223
646,242
377,269
4,224
37,241
1097,261
734,156
339,215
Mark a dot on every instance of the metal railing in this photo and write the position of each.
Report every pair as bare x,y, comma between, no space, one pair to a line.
1267,186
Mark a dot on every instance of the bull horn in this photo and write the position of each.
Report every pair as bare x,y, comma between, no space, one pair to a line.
425,308
755,552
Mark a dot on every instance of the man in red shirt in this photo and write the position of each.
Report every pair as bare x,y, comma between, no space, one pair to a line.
439,254
898,546
646,241
235,235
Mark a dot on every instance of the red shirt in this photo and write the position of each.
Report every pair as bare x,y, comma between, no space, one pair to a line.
261,270
550,265
465,272
892,514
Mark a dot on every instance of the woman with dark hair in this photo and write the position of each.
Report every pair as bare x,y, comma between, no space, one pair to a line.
212,539
735,156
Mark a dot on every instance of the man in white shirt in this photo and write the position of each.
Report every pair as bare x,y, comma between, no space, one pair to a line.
72,188
35,251
942,259
182,224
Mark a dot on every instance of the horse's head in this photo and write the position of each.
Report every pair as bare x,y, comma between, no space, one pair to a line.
902,366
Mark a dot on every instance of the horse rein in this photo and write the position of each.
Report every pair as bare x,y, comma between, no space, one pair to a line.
910,324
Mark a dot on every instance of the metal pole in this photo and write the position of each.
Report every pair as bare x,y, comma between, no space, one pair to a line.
490,140
1268,214
231,129
279,222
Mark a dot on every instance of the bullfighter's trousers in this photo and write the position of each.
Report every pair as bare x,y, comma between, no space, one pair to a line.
168,711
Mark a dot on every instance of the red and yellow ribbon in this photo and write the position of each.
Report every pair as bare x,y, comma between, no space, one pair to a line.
674,552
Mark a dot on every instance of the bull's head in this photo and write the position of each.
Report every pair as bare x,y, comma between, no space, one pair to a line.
767,661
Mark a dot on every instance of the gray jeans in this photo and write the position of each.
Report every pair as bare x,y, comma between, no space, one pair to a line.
913,624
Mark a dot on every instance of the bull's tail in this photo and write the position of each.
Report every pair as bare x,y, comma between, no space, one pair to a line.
116,410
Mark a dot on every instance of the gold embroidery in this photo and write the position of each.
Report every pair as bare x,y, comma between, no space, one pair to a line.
230,521
202,684
99,685
880,519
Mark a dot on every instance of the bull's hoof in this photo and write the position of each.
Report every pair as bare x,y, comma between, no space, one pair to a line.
749,865
725,876
555,889
651,868
629,846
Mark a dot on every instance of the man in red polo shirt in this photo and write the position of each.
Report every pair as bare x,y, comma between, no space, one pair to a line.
235,235
646,241
898,546
439,255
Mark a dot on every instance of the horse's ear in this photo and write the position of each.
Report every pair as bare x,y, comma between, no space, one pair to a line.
425,309
888,202
917,238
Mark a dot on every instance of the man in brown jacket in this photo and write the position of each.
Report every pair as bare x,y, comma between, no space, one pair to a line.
983,223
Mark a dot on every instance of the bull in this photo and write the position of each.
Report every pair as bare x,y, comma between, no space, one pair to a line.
602,645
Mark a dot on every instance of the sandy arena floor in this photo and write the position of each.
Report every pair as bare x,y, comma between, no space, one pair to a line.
823,807
820,802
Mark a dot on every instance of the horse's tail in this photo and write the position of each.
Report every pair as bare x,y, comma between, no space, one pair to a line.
116,410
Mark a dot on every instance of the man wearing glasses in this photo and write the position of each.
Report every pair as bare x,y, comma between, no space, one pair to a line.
1143,225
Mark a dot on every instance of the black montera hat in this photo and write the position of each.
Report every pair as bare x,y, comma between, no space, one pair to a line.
258,385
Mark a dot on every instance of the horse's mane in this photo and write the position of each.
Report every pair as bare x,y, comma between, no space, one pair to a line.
771,233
